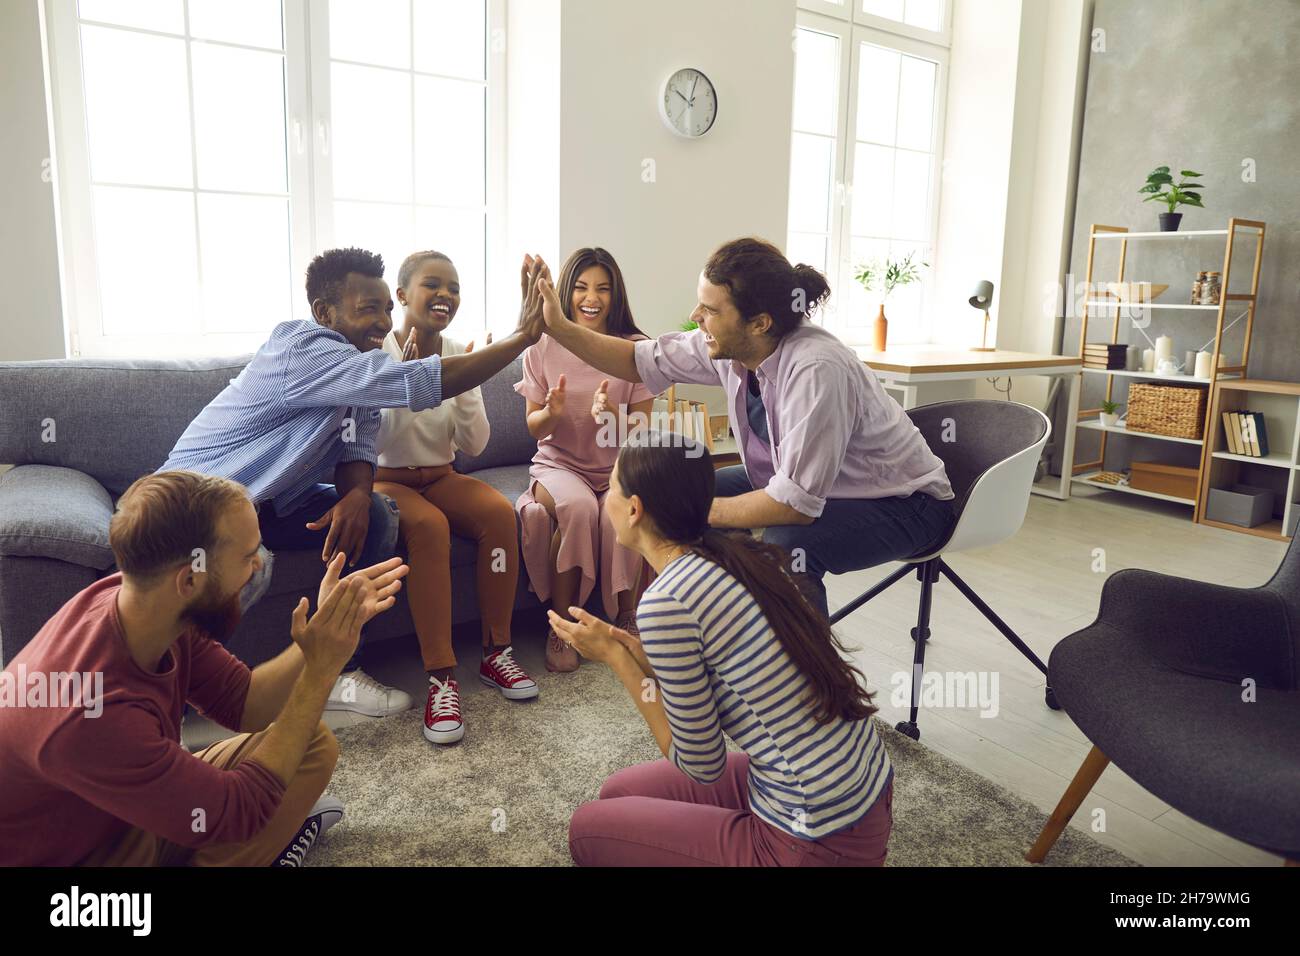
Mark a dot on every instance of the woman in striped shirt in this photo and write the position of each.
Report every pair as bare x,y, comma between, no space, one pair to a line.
729,645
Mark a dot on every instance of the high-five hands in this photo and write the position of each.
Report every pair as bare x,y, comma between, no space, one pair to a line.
331,635
533,273
600,401
552,312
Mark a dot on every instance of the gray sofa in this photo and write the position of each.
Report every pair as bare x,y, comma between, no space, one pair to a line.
79,431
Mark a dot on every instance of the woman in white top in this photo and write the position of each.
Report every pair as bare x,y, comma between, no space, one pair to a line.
415,455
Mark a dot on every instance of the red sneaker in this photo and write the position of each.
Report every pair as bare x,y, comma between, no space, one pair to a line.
442,720
502,671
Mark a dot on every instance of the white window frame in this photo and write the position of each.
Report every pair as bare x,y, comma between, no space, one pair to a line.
853,27
310,194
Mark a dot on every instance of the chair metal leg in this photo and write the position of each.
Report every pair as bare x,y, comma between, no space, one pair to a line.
1084,779
928,573
866,596
989,613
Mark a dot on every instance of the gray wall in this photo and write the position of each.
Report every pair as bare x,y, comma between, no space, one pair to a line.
29,263
1203,86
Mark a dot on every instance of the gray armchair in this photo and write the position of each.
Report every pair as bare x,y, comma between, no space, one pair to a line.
1194,690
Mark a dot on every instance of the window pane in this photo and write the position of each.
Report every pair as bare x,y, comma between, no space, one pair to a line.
137,107
916,103
144,240
371,31
460,234
239,119
877,94
450,37
165,15
873,183
891,9
816,81
449,142
810,182
807,248
923,14
385,228
244,242
911,195
251,22
371,135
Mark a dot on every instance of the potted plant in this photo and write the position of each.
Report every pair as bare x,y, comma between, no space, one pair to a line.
1160,185
885,275
1109,413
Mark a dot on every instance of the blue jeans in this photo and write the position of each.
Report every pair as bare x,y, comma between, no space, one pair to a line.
851,533
290,532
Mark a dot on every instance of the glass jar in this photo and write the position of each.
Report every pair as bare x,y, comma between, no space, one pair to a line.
1211,289
1197,288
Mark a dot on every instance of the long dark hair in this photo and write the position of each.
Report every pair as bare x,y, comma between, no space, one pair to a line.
674,478
762,280
620,320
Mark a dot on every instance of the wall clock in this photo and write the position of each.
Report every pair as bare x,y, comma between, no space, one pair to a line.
689,103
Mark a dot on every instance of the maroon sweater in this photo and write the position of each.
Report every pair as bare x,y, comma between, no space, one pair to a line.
70,783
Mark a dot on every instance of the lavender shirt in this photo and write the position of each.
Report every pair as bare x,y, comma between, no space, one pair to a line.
833,431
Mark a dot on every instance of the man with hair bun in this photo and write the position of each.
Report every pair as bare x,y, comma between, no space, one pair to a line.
832,468
298,426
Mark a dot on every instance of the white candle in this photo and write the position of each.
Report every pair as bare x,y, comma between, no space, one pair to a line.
1164,349
1148,360
1203,360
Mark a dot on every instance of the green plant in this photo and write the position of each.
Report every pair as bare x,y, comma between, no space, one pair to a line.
1160,185
1109,408
888,273
690,325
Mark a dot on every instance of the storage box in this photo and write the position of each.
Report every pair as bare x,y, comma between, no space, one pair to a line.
1177,411
1243,505
1163,479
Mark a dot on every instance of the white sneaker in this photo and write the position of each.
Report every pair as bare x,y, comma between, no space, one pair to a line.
360,693
443,723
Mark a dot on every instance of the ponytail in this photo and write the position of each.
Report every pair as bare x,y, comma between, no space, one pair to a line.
799,626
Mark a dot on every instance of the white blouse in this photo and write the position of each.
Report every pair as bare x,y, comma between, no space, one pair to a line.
424,439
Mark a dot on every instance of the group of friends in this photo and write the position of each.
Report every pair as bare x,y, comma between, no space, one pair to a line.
340,435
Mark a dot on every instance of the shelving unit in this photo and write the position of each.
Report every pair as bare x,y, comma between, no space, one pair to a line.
1084,473
1279,402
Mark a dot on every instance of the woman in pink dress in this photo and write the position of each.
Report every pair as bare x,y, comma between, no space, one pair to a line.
579,418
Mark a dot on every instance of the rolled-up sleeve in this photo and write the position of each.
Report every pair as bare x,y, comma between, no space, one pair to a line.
364,443
675,358
816,424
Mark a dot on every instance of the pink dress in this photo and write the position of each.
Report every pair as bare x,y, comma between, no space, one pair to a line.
574,467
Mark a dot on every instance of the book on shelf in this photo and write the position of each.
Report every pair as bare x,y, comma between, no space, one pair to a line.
1246,433
1230,433
1105,355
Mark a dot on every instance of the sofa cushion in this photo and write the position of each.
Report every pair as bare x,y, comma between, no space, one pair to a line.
510,480
49,512
114,419
509,443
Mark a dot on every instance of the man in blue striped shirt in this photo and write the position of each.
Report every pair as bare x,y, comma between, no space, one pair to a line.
298,426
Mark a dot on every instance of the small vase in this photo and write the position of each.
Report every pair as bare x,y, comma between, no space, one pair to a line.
881,330
1169,221
1109,420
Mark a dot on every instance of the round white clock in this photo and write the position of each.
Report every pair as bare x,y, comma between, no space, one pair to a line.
689,104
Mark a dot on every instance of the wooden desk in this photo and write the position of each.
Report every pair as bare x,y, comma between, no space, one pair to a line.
921,375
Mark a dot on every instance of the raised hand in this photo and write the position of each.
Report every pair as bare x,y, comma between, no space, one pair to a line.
533,272
600,401
552,311
411,349
330,637
555,397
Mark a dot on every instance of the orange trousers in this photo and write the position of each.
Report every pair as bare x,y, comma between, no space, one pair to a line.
435,502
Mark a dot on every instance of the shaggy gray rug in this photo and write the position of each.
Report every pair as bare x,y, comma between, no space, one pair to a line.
503,795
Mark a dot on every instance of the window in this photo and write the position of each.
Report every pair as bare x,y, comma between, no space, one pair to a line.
866,152
205,156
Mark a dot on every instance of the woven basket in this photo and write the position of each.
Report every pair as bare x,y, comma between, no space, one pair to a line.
1174,410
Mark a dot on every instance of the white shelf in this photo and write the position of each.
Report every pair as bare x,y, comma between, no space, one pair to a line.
1175,379
1276,459
1102,303
1165,235
1097,426
1085,480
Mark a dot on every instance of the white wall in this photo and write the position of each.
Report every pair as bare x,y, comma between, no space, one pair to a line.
29,265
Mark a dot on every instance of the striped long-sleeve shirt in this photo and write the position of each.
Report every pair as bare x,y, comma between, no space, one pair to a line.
307,401
722,670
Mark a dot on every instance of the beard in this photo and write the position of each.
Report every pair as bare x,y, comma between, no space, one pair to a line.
216,617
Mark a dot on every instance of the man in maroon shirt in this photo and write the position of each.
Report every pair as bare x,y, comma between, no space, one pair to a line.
95,773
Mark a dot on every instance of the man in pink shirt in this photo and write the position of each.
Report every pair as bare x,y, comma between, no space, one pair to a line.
96,774
832,468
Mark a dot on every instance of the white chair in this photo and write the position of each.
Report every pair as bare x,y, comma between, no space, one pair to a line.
990,450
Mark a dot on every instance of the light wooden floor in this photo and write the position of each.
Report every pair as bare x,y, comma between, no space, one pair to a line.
1042,583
